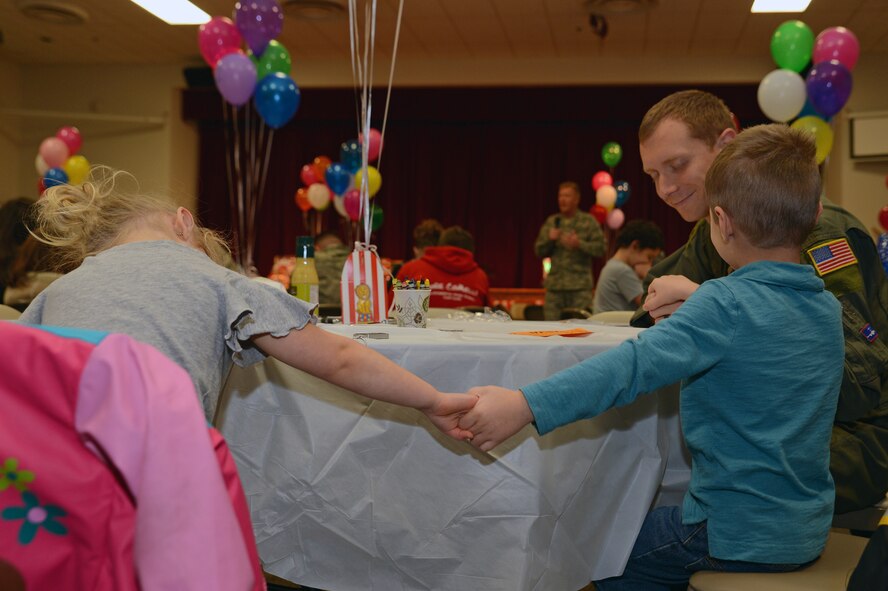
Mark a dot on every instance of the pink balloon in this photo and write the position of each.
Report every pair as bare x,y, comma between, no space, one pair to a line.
615,219
375,144
71,136
53,151
836,43
601,178
217,38
308,175
352,202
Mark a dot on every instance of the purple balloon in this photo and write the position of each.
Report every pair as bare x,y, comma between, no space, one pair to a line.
829,86
259,21
235,77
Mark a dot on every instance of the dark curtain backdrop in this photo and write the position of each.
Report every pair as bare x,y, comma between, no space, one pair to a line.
488,159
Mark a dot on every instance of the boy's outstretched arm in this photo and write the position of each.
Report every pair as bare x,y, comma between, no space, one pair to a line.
499,414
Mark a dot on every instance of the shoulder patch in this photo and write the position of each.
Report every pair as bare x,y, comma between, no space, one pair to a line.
831,255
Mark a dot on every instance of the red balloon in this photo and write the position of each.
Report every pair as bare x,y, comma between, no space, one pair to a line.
71,136
601,178
352,202
308,175
320,164
41,186
883,217
301,199
600,213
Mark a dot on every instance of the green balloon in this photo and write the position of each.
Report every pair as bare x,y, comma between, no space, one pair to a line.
611,153
791,45
376,218
275,58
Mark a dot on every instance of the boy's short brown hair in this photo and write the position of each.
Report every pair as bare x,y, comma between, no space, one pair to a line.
459,237
705,114
427,233
768,182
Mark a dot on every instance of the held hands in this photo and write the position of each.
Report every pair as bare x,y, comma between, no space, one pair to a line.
666,294
448,410
499,414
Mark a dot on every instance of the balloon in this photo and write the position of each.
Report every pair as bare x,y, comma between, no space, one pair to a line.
275,58
301,199
375,180
791,45
377,216
55,176
71,136
623,192
53,151
809,109
823,134
259,21
277,99
781,95
375,144
736,121
882,247
352,202
829,86
599,212
606,196
217,38
350,155
41,165
41,186
611,153
235,77
601,178
337,178
320,164
883,217
319,196
308,175
339,205
836,43
77,168
615,219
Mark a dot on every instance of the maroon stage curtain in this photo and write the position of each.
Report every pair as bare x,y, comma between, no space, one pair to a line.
487,159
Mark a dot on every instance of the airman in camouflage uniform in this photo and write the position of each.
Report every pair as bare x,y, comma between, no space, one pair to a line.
330,255
571,238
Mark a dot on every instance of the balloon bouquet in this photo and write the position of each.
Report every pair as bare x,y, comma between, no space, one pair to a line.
248,63
812,101
610,196
340,183
58,162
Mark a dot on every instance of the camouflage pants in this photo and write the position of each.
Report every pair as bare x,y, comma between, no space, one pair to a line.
559,299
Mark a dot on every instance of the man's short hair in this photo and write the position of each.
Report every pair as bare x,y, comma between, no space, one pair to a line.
327,239
427,233
648,234
768,182
570,185
459,237
705,114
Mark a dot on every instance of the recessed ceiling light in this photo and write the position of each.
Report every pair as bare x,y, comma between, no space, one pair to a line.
175,12
780,5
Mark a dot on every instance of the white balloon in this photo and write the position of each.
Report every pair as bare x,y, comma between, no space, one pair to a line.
781,95
318,195
339,205
41,165
606,196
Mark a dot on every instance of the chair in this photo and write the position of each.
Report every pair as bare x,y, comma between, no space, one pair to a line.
613,318
534,312
575,313
8,313
327,310
830,573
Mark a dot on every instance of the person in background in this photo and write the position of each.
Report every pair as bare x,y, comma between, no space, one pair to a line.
760,356
427,233
330,256
13,232
145,268
619,287
571,238
454,276
679,138
30,273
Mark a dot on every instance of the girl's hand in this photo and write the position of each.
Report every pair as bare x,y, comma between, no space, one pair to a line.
499,414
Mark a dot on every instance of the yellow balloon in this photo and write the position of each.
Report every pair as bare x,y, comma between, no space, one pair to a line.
823,134
375,180
77,168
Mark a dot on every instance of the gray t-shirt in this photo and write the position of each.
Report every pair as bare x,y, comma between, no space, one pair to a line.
617,286
175,298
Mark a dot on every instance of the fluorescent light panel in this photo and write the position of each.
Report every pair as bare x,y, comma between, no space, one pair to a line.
175,12
780,5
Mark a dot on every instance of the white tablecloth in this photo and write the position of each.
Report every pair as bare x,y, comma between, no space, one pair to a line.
348,494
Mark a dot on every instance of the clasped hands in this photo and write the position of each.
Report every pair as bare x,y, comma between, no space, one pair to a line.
568,239
666,294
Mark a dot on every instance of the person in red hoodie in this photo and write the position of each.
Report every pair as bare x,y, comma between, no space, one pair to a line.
456,279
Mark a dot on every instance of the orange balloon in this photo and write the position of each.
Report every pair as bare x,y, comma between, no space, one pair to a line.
320,165
302,199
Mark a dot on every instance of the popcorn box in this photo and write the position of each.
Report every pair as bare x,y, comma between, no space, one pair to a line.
363,287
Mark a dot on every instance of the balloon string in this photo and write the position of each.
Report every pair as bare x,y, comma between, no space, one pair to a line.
238,177
229,155
388,94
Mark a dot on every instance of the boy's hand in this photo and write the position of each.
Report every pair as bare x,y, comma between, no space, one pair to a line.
447,412
666,294
499,414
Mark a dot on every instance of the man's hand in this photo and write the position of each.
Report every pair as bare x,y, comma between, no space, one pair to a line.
499,414
666,294
554,234
570,240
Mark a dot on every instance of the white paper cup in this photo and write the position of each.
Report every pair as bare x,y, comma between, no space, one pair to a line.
411,307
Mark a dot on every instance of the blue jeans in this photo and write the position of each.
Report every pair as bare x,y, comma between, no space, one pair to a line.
667,553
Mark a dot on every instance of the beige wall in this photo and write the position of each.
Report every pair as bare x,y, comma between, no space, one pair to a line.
11,135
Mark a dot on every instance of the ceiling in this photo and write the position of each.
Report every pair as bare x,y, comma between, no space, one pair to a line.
120,32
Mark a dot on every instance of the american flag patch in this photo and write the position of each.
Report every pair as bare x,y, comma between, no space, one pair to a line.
869,333
832,255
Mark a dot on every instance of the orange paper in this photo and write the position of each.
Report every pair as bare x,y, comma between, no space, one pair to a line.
570,332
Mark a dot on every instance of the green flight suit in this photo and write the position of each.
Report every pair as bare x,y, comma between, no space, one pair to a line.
329,263
859,446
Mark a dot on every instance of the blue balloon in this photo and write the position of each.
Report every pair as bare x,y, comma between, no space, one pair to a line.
276,99
809,110
337,178
54,176
350,155
623,192
829,86
882,245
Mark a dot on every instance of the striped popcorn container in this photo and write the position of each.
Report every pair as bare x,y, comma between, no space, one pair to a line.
363,287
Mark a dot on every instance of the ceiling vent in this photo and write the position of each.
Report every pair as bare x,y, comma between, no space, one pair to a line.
315,10
618,6
56,12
